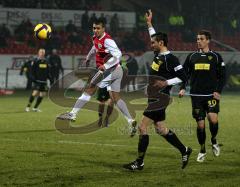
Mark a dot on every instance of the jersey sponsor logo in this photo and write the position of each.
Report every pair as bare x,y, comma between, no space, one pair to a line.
202,67
178,67
210,57
42,65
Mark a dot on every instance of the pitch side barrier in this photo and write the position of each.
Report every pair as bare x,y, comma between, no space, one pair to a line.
9,71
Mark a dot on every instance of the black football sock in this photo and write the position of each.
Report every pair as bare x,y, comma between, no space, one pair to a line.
173,140
100,110
31,99
142,147
214,131
201,135
39,100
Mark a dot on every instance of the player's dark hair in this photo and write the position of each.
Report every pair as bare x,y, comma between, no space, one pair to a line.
160,36
99,21
206,33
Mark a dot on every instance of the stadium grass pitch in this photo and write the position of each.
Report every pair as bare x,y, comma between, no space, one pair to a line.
34,153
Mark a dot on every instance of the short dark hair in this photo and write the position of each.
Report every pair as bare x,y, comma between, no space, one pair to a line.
161,36
206,33
99,21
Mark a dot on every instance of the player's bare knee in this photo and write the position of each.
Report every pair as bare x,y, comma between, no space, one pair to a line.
90,91
114,96
42,94
114,100
161,130
34,93
201,124
213,120
110,102
142,129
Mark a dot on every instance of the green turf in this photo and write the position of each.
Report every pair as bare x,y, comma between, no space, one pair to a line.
34,153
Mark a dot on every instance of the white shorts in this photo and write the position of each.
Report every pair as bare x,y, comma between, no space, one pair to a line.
112,80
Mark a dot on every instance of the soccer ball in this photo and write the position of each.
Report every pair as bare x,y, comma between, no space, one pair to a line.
42,31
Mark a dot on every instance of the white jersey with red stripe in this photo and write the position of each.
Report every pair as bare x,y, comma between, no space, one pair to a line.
106,51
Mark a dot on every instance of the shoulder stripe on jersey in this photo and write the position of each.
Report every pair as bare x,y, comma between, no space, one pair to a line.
166,63
192,55
214,54
102,36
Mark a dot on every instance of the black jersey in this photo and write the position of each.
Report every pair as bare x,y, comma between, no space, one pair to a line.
165,66
206,72
40,70
55,64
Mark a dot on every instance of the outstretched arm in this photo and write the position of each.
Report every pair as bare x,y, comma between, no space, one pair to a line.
148,17
91,53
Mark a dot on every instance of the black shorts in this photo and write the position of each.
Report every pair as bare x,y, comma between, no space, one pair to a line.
102,94
156,115
41,87
203,105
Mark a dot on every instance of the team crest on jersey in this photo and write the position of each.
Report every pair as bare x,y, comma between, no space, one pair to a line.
99,46
210,57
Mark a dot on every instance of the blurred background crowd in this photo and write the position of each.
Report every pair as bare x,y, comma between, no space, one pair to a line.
181,19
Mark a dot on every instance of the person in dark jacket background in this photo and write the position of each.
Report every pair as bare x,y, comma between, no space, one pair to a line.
26,69
55,64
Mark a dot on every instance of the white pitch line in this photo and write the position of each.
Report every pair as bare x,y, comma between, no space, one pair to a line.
85,143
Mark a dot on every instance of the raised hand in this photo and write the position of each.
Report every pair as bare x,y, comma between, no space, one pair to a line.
148,17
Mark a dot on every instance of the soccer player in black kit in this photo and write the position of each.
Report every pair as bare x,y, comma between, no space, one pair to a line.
206,70
164,66
40,74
